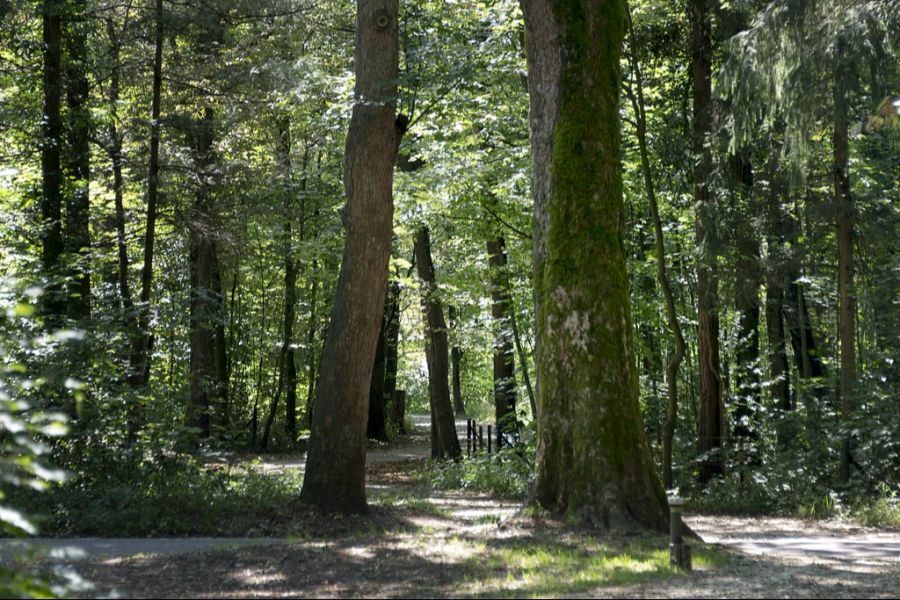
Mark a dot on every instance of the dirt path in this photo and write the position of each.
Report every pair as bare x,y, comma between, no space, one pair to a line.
419,543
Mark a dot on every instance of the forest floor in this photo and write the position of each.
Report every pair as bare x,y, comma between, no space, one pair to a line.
417,542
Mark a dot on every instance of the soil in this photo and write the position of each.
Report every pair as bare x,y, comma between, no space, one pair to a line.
415,542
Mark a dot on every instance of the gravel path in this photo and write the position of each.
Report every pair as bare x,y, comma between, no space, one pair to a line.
774,557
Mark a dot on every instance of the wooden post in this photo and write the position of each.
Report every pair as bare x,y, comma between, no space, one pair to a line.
499,438
679,552
490,438
481,438
469,437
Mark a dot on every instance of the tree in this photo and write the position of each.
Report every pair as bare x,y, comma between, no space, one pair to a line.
77,167
593,459
636,95
51,144
504,362
336,460
711,412
444,442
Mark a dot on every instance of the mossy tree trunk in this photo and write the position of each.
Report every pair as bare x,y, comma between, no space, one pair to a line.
336,461
593,459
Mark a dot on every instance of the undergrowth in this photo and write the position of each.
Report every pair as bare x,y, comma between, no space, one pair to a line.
505,474
179,495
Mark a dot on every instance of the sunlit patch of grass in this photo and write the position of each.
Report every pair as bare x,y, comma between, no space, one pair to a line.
412,503
557,568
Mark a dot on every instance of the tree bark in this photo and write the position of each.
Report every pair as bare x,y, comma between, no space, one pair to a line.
505,391
289,365
51,167
846,209
376,426
776,283
78,167
593,459
748,281
668,429
336,461
444,442
711,412
139,364
114,150
392,339
203,378
455,363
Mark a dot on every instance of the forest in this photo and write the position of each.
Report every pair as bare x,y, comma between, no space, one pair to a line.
449,298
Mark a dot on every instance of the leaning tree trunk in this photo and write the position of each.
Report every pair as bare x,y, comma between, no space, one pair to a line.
844,204
336,461
593,459
444,442
711,412
504,362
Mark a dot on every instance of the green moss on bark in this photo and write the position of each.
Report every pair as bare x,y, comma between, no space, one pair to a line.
593,459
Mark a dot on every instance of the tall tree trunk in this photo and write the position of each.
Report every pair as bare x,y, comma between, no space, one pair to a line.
637,100
202,311
455,362
336,461
523,358
51,167
139,371
290,278
711,411
219,340
114,149
312,369
444,442
776,281
376,426
392,339
846,209
803,339
78,169
504,363
748,280
593,459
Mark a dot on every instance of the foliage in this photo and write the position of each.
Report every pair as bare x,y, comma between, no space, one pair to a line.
26,429
169,493
504,474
